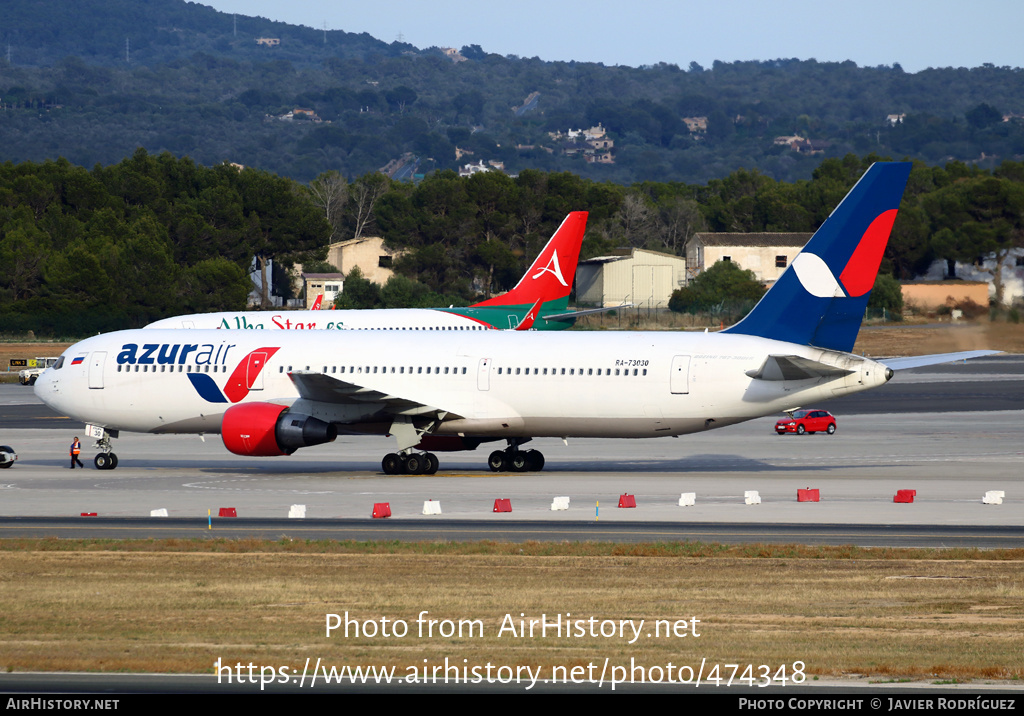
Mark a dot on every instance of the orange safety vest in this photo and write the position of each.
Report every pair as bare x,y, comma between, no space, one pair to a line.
76,448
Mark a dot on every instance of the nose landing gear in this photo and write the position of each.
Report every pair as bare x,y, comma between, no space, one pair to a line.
105,459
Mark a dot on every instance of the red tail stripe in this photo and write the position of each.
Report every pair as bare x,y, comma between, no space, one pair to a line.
859,275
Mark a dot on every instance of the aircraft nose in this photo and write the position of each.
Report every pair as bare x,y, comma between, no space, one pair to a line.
46,385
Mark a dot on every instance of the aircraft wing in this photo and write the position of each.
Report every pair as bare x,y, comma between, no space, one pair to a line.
933,359
322,388
570,315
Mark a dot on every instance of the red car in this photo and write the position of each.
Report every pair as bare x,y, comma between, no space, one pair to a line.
807,421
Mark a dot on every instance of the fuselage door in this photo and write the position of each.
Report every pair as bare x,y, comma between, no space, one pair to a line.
254,370
679,381
483,374
96,363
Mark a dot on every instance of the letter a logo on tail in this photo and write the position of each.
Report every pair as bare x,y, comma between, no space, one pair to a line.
553,269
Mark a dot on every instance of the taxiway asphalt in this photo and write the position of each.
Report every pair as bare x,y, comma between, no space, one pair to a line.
951,457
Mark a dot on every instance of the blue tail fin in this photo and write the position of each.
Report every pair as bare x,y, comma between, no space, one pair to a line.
821,298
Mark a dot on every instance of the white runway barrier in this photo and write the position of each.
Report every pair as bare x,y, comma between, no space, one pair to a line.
560,503
431,507
688,499
993,497
751,497
297,512
162,512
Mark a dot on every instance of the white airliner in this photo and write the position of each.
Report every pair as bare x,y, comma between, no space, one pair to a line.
538,302
267,394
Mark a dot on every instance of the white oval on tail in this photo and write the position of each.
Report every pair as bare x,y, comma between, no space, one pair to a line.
815,276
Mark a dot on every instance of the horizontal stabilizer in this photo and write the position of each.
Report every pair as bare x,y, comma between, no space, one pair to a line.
795,368
933,359
572,315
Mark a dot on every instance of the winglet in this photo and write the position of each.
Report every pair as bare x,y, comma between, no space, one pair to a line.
531,316
317,302
550,276
821,298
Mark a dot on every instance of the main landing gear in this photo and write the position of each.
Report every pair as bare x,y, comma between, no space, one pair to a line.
512,459
409,435
410,463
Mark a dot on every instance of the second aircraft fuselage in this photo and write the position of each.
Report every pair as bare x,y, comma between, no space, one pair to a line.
470,318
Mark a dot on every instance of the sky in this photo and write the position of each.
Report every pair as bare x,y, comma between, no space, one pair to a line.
917,34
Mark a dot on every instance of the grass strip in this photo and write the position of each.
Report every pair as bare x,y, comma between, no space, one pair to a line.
179,605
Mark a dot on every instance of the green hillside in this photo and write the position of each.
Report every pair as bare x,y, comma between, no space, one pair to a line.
93,80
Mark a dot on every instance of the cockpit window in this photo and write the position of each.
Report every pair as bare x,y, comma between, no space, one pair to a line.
59,364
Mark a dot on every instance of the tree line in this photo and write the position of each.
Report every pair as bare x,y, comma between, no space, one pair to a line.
154,235
116,247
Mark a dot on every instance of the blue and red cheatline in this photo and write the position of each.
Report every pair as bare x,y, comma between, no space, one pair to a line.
245,375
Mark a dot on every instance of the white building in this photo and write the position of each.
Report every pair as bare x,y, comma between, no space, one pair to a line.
327,284
368,253
766,254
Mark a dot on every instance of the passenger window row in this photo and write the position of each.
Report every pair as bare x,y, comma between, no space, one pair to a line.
425,328
371,369
164,369
572,371
436,370
394,370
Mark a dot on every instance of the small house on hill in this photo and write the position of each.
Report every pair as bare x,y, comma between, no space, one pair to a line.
368,253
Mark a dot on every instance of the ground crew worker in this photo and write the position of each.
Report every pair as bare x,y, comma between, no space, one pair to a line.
76,448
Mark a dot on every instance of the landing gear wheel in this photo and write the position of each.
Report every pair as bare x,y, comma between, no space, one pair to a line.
831,429
104,461
432,463
535,460
800,430
519,462
413,464
391,464
497,461
9,450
